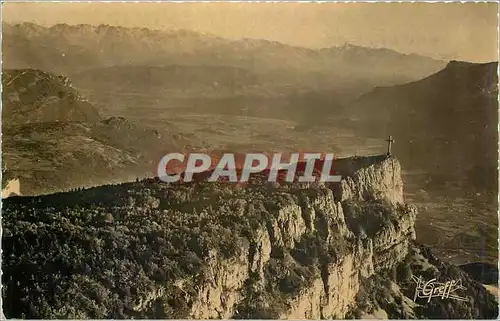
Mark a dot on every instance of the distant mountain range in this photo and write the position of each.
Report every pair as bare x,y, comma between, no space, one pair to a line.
71,49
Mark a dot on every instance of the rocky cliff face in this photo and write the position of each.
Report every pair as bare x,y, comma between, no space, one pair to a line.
332,289
209,250
370,178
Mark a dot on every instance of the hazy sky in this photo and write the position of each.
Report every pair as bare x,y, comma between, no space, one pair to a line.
441,30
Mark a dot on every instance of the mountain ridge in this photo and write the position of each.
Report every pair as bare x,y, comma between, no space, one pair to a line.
460,99
93,27
450,65
106,45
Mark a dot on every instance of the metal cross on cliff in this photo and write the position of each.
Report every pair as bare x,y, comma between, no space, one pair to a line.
389,145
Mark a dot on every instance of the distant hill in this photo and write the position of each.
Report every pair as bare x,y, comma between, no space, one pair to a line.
32,95
53,139
446,122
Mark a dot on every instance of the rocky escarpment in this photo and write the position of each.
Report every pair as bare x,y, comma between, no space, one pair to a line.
211,250
370,178
362,224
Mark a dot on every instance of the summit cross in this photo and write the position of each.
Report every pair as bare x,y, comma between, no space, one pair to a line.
389,145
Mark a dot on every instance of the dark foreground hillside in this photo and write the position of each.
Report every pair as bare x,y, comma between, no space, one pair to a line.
214,250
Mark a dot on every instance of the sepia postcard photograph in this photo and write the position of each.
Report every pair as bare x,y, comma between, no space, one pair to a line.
239,160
